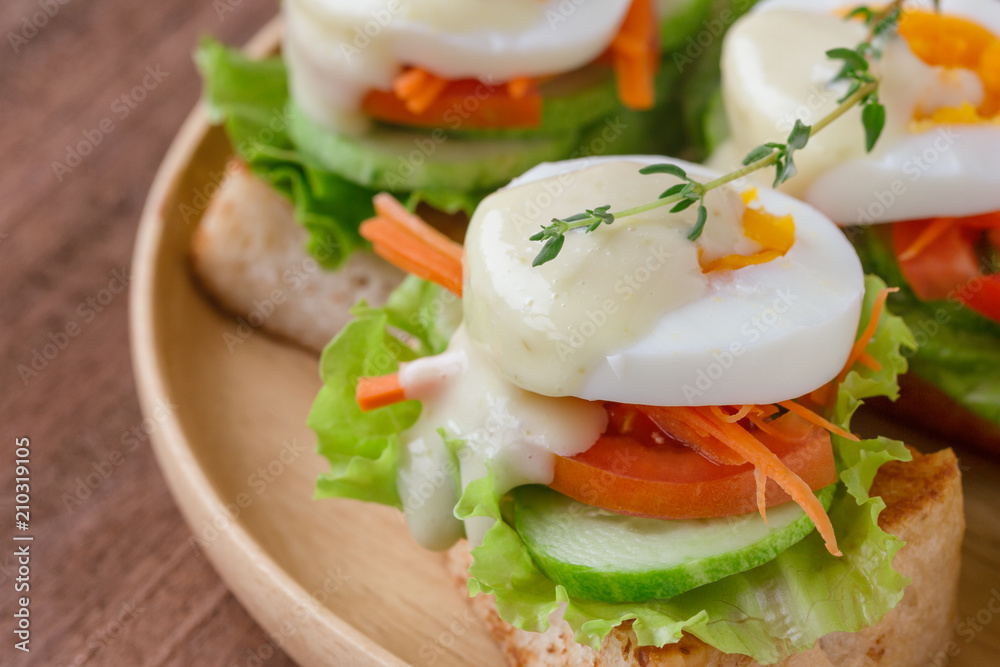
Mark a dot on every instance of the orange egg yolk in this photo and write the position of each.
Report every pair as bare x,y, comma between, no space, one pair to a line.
951,41
774,233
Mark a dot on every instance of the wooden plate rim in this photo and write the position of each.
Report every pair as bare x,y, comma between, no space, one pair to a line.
192,491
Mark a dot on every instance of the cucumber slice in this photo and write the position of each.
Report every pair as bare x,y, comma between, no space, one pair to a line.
600,555
404,160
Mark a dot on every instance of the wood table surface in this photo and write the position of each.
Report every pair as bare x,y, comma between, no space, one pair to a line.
114,580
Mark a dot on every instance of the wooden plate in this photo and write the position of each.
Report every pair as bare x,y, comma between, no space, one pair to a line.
333,582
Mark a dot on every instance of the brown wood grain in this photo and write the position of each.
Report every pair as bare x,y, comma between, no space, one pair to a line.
114,581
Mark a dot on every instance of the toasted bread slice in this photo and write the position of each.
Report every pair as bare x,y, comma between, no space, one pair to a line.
249,254
923,506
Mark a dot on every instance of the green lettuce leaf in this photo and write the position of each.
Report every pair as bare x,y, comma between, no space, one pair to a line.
363,447
249,97
958,350
767,613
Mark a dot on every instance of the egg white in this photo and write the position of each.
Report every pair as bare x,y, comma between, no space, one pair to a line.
762,334
947,170
337,50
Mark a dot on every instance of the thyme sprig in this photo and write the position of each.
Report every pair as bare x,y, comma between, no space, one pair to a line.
862,91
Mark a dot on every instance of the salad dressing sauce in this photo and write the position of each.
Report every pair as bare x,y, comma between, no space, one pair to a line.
485,418
512,405
548,327
338,50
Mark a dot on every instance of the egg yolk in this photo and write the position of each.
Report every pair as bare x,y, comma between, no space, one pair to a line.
951,41
774,233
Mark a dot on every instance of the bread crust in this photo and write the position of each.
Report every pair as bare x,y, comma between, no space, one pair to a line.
923,507
250,255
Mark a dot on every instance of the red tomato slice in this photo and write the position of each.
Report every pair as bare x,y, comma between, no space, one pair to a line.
464,104
948,262
648,473
982,221
983,296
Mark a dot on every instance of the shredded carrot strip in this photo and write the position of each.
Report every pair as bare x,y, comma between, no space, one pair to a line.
745,445
720,414
378,392
692,433
418,89
735,417
420,102
413,258
868,361
763,425
629,44
761,479
930,234
404,240
767,410
811,416
866,336
758,416
389,207
519,87
409,83
822,395
635,55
